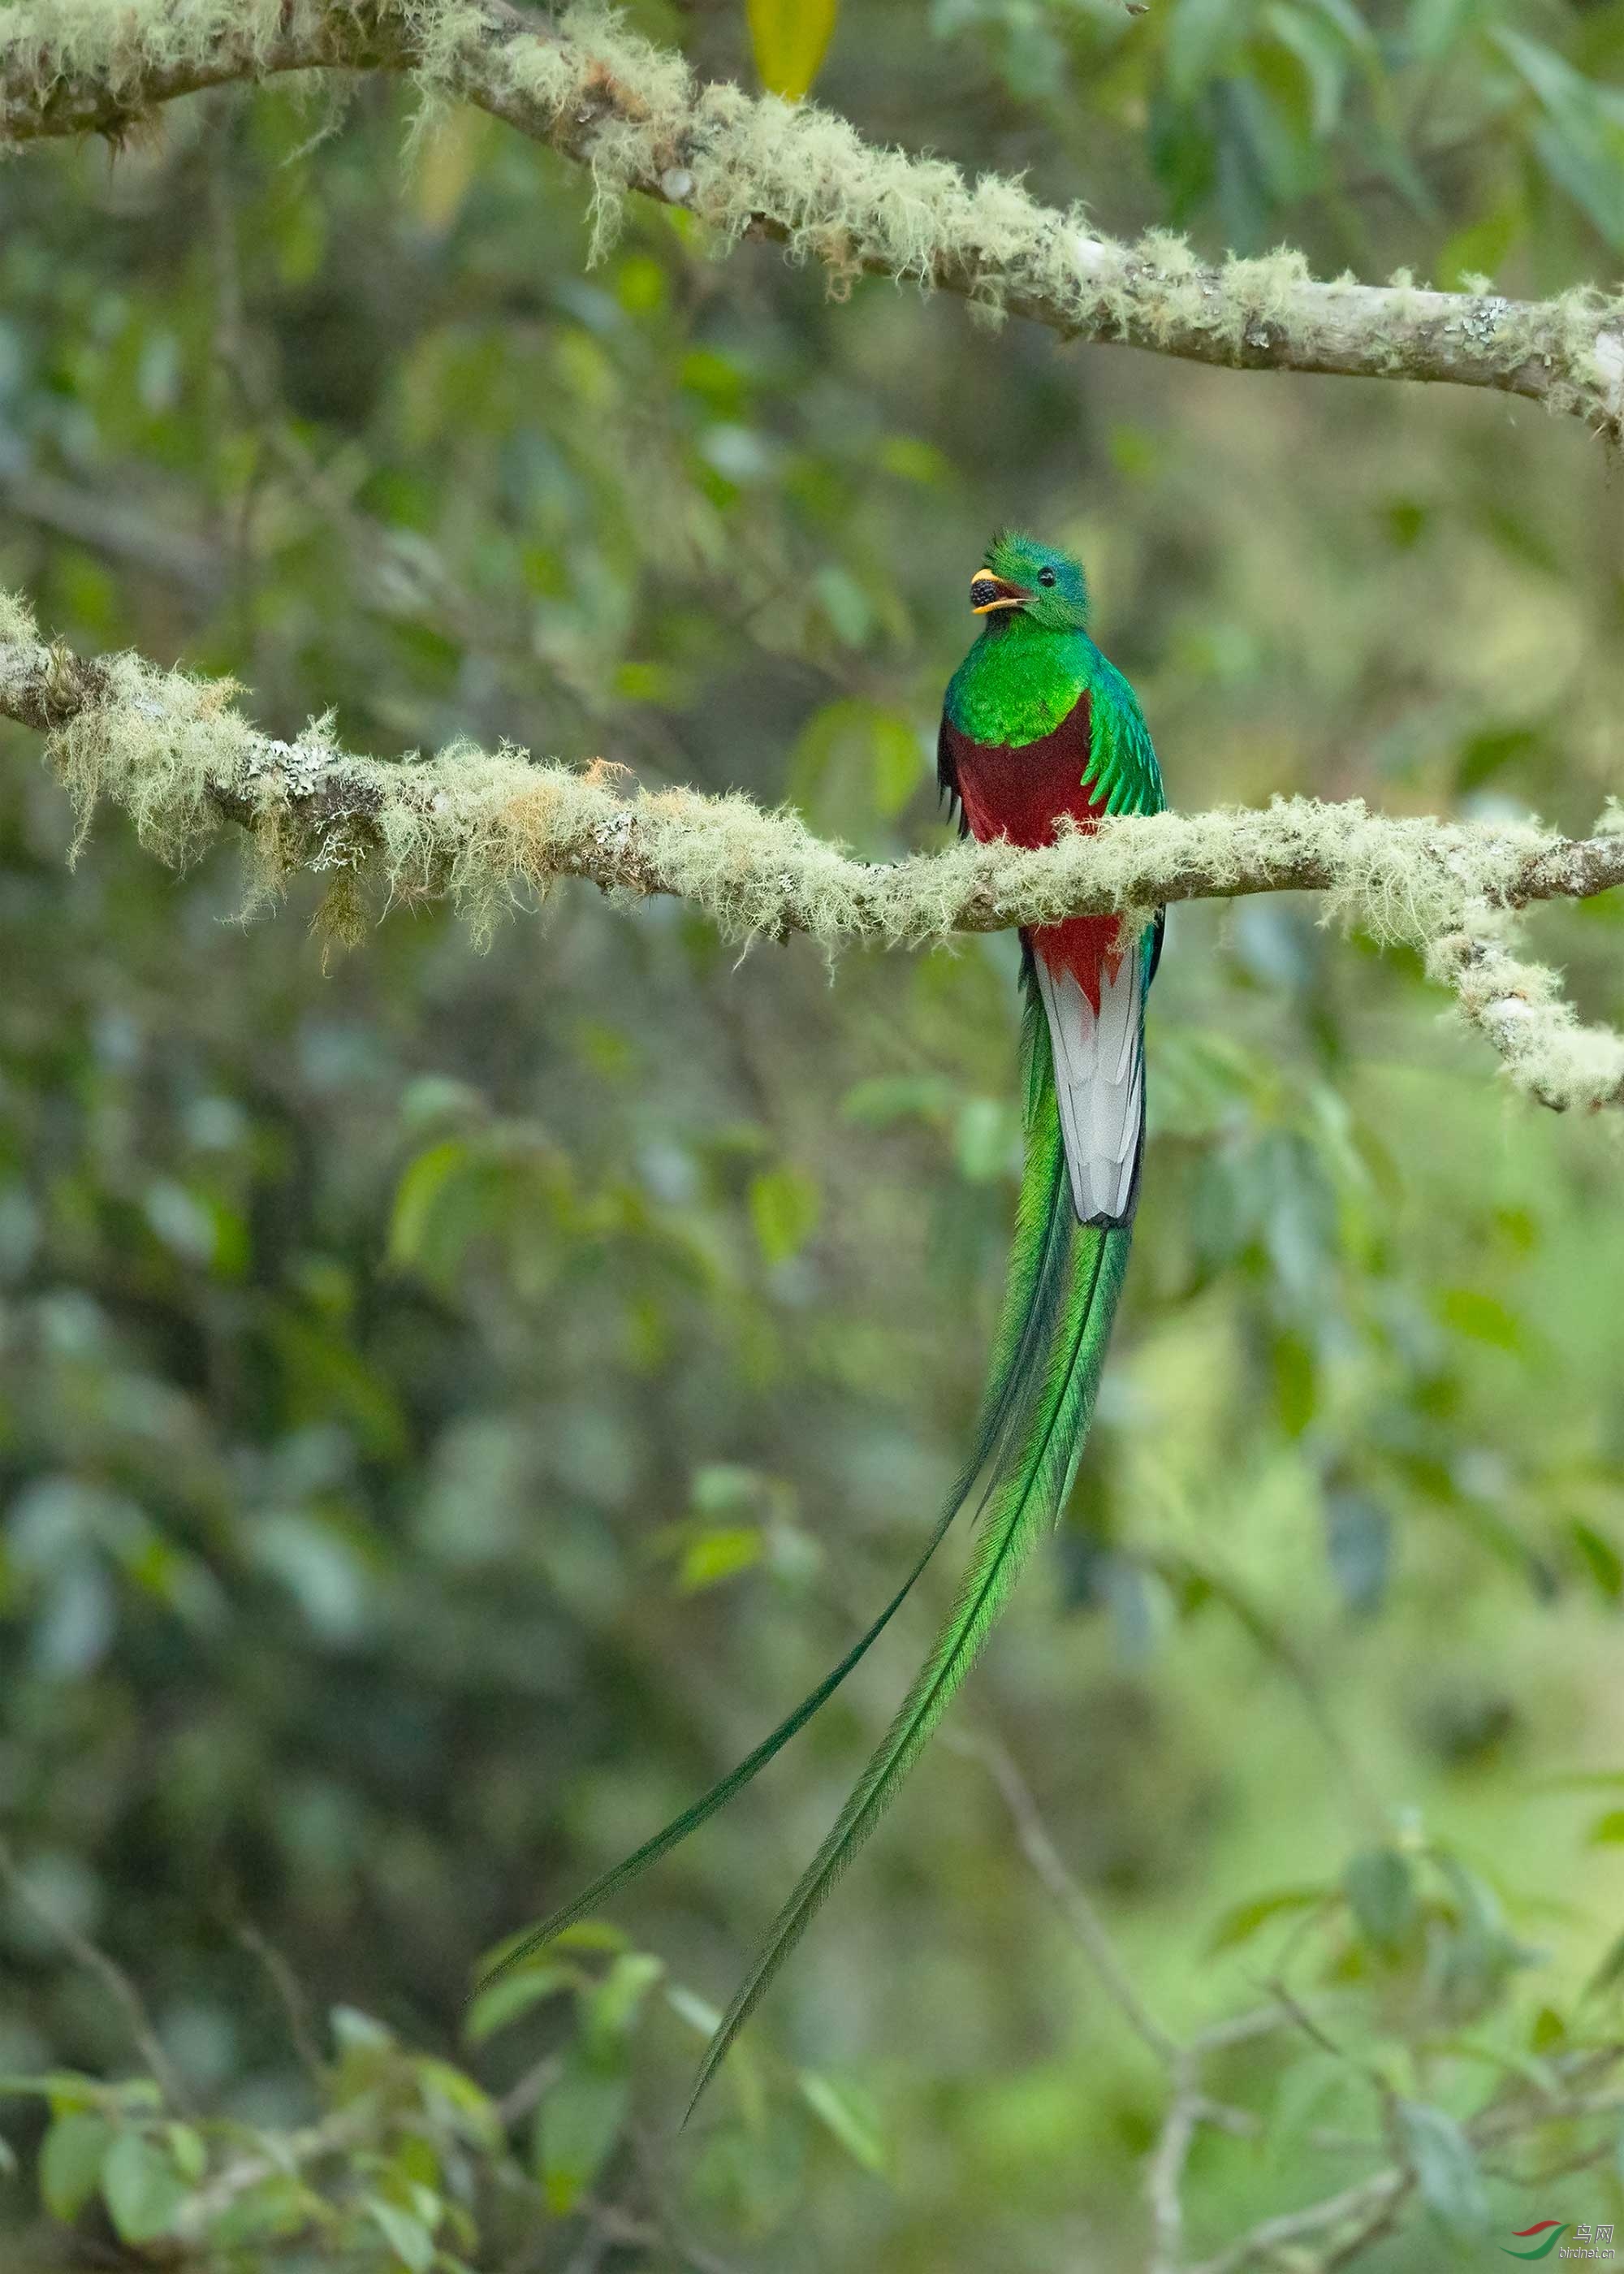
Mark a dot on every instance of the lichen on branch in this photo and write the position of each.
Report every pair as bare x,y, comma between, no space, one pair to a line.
494,830
638,119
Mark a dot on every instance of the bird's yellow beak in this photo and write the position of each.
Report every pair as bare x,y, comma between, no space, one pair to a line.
987,592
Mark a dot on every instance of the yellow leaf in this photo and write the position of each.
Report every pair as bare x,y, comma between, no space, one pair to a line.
714,1555
790,37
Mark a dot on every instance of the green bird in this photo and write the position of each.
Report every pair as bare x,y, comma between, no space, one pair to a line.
1037,728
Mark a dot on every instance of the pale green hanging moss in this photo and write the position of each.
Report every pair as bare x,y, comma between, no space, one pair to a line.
18,628
638,118
1521,1010
494,830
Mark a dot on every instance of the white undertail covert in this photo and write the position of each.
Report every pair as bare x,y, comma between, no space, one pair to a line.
1100,1081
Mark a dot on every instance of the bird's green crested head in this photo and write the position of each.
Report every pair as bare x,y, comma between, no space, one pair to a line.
1036,583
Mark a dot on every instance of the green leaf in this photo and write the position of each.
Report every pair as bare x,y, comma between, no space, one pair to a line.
1358,1539
728,1488
576,2126
1508,2059
1349,23
1610,1973
327,1375
1480,248
1380,1889
899,766
1297,1381
279,2205
1242,1921
1200,34
789,38
783,1208
418,1195
187,2147
1601,1558
1436,26
1446,2169
986,1138
65,2088
702,2017
1322,52
854,761
408,2237
1549,2031
713,1555
354,2031
844,2115
609,2010
593,1934
884,1098
473,2111
1475,1960
911,460
1608,1830
1582,148
847,606
502,2004
1480,1318
143,2189
70,2160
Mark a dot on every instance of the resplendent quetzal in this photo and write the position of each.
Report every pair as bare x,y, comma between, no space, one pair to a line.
1037,726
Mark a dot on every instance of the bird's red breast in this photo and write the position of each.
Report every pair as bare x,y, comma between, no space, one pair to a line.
1022,794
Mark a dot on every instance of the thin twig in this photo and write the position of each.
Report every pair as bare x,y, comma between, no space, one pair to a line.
131,530
1079,1911
346,2127
1386,2191
291,1996
616,2226
1164,2174
539,2080
95,1960
1275,1643
1189,2107
1371,2206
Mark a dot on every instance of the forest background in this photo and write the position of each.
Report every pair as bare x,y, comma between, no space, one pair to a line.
455,1397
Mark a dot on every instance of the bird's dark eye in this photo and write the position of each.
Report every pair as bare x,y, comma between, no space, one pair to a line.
1046,575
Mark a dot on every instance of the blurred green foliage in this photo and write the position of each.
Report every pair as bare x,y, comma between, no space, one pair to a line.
452,1404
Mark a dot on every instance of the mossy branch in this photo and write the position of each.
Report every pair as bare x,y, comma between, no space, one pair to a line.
492,830
638,118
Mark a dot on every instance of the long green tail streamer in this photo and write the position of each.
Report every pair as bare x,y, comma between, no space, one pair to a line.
1035,1277
1076,1302
1048,1353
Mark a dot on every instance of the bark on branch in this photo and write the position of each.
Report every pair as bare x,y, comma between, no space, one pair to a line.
638,118
490,829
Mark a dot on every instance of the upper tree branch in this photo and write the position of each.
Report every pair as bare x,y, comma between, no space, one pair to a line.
638,117
486,828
